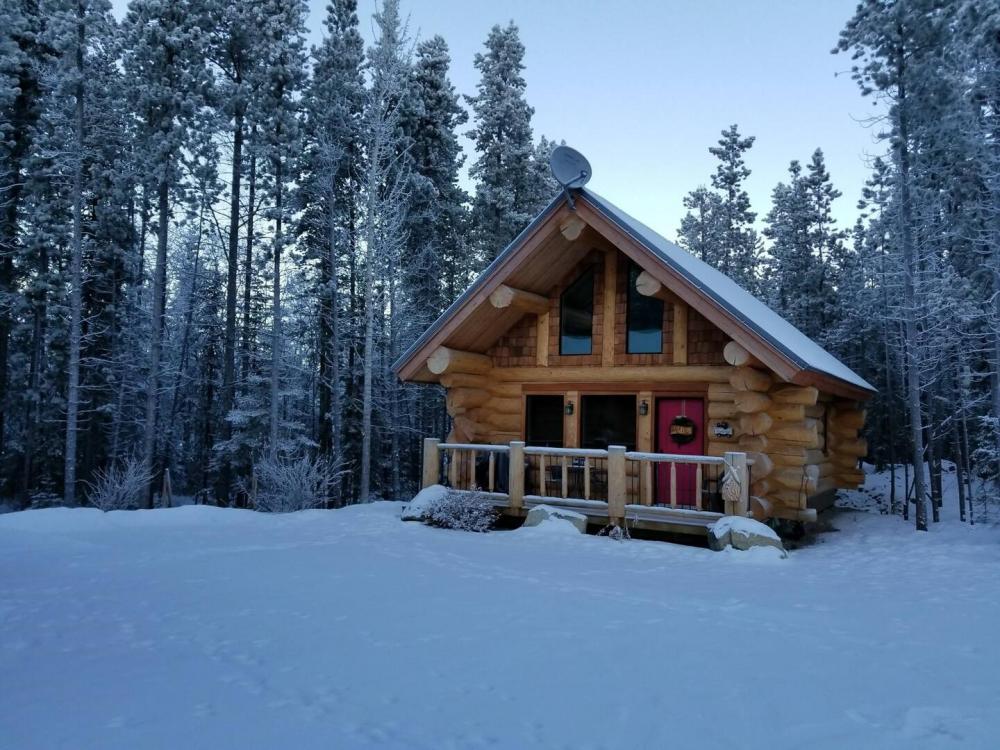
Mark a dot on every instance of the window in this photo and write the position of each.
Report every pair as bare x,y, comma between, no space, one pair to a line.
645,318
576,316
543,423
607,420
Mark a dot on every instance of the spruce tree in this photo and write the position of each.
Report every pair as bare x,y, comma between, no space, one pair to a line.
507,195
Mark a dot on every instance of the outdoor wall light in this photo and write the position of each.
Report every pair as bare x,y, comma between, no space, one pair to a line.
643,408
569,408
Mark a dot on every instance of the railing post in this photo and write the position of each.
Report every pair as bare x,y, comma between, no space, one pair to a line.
617,486
736,484
432,458
515,475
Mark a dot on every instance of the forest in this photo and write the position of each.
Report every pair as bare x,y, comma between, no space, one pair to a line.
215,241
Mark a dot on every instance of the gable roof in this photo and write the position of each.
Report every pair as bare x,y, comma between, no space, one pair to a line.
739,314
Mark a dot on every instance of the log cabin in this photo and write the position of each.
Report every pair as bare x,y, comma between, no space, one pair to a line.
596,365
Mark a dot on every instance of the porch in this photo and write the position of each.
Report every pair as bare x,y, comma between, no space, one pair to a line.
653,491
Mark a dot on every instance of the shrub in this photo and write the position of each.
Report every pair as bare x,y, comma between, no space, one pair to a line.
285,485
463,510
120,486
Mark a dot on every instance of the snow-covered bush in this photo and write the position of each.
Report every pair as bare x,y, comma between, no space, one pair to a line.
120,486
285,485
463,510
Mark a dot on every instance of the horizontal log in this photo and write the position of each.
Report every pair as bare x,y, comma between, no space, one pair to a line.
789,498
786,393
803,478
803,432
466,431
464,380
853,478
843,461
816,456
778,447
444,360
838,432
753,442
507,296
825,484
806,515
762,464
816,411
505,422
857,447
761,487
755,424
787,412
694,374
738,356
503,405
721,392
749,379
850,419
467,398
751,402
722,410
827,469
505,390
761,508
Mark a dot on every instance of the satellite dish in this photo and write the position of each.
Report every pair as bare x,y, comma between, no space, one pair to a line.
570,168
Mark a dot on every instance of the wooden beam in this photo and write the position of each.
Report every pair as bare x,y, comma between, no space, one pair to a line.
610,290
453,360
507,296
696,375
542,340
680,331
572,226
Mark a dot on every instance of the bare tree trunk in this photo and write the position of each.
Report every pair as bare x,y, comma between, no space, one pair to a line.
76,274
36,366
276,315
910,335
156,332
232,269
248,268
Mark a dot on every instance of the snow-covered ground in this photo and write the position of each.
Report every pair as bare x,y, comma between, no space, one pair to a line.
205,628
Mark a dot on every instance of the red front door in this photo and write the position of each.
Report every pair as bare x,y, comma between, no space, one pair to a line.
680,425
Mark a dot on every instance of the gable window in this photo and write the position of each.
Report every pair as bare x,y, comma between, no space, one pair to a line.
543,421
644,318
607,420
576,315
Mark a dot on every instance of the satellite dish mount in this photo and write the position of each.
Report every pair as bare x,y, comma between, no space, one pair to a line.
571,170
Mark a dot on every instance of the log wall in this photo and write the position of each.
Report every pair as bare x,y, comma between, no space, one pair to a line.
803,443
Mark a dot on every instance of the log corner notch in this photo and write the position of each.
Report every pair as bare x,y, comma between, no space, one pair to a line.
444,360
507,296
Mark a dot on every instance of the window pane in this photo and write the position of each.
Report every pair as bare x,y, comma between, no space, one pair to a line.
607,420
576,316
645,318
543,423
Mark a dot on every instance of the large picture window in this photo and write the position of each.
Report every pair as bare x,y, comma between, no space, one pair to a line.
576,316
645,318
543,421
607,420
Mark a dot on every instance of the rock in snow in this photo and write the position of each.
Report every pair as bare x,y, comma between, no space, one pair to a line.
420,506
541,514
742,533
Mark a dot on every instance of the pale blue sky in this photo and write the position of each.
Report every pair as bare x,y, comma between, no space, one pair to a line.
644,87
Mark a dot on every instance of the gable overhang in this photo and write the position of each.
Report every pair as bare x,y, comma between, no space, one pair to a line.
412,364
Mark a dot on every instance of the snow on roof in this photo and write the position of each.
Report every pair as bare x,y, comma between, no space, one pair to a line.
727,293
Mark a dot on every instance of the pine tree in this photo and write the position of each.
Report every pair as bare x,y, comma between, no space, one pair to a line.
507,192
166,64
739,243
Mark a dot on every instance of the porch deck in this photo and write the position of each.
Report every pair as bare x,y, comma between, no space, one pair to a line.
654,491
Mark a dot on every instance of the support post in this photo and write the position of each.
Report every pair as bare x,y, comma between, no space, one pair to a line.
432,458
617,486
515,476
736,484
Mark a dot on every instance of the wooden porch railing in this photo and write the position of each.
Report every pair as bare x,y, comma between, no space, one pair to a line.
590,475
